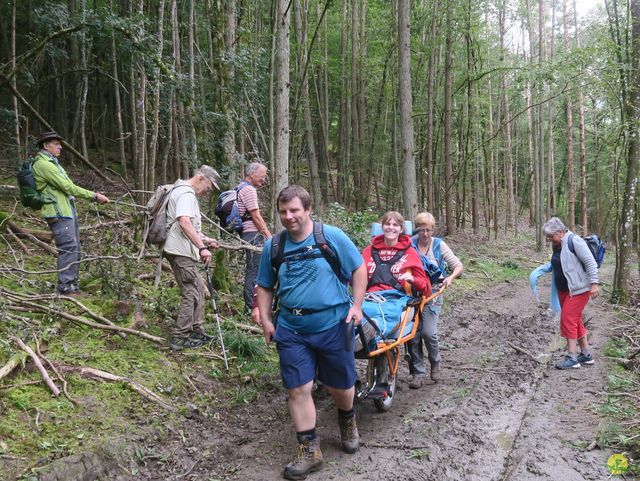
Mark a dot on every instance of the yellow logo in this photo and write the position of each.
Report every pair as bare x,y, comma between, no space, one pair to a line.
618,464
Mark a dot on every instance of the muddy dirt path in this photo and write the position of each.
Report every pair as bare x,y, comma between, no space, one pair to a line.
496,415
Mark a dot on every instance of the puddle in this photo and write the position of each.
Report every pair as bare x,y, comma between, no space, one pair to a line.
504,440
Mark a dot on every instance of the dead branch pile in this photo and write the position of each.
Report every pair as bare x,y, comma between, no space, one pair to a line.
53,306
39,361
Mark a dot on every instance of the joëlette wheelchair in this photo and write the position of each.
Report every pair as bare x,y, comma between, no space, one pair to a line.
383,353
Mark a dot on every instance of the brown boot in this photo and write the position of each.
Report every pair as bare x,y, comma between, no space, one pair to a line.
435,372
349,434
416,381
308,460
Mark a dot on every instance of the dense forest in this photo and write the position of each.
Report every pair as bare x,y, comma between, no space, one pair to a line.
479,111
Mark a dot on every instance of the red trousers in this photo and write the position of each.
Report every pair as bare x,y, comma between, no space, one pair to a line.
571,325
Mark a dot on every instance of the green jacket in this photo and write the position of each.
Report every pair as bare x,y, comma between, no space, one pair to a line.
53,181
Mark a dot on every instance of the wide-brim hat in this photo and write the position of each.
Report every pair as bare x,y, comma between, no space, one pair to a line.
46,136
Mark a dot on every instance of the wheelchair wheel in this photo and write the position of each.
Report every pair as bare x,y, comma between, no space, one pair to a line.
383,377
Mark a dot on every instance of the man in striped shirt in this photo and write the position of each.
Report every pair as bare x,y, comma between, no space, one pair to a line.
254,227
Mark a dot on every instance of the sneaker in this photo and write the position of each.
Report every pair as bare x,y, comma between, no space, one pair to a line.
416,381
568,363
179,343
588,359
349,435
308,460
201,336
435,372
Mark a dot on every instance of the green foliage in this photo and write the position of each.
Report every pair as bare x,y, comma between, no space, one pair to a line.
357,225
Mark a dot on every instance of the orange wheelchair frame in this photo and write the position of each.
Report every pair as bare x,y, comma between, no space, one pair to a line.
383,361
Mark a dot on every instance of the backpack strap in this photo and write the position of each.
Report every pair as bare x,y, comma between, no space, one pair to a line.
382,274
277,250
328,252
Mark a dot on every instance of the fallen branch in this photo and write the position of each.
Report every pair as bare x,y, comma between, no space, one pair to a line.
75,301
23,231
43,372
39,308
139,388
525,352
100,225
13,362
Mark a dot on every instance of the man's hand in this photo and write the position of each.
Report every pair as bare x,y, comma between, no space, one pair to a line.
355,315
255,316
448,281
205,256
212,243
269,331
101,198
595,291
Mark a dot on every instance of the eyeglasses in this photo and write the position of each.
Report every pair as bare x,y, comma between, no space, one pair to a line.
424,230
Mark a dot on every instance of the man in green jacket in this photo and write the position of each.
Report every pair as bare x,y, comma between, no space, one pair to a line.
53,181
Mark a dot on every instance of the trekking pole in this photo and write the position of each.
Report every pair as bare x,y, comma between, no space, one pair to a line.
215,311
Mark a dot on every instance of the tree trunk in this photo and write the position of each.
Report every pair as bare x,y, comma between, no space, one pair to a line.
622,282
282,92
312,158
582,141
571,214
155,115
409,187
448,102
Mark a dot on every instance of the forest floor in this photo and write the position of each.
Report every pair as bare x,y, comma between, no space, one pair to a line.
497,413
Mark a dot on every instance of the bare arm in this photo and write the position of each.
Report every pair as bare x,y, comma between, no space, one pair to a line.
257,219
196,239
359,286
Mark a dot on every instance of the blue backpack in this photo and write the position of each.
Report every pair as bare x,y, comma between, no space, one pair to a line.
435,271
228,211
595,245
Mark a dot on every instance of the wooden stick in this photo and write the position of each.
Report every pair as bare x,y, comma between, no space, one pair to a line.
525,352
43,372
139,388
71,317
18,241
13,362
38,234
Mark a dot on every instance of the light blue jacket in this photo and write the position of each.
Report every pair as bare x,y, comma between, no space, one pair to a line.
580,269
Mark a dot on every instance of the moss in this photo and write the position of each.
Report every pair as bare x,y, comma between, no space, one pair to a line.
221,277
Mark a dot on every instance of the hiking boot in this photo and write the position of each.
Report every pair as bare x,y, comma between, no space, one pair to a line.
308,460
201,336
588,359
349,434
435,372
568,363
417,381
179,343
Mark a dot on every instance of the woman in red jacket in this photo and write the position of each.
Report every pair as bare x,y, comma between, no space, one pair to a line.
391,261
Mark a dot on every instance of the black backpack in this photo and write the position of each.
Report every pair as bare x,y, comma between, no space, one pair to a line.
326,250
30,196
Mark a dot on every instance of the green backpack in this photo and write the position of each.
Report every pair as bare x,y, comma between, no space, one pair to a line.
29,194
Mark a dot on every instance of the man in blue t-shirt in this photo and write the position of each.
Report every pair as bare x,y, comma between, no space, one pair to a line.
310,336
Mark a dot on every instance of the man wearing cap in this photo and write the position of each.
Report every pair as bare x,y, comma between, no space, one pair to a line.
53,181
185,246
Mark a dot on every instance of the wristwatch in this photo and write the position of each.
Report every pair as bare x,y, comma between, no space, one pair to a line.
205,248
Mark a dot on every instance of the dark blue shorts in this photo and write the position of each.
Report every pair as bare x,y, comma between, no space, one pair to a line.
302,355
